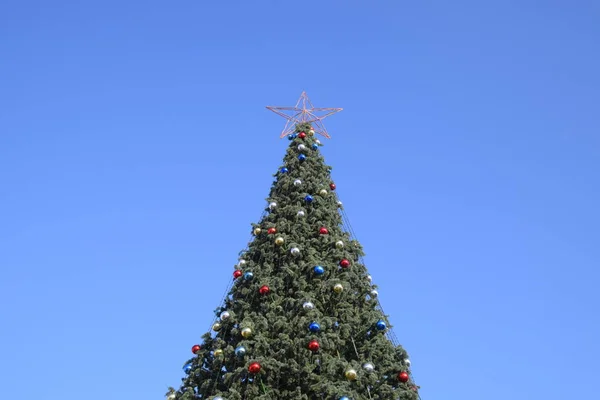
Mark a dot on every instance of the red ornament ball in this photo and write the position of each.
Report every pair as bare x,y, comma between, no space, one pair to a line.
344,263
264,290
302,135
271,231
196,348
323,231
237,273
254,368
403,377
332,186
313,346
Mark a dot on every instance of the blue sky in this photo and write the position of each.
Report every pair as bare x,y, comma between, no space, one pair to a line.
135,151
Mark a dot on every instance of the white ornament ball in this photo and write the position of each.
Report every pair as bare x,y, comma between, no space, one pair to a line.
272,205
369,278
407,362
301,147
300,213
339,244
225,315
308,305
374,293
323,192
297,182
295,251
369,367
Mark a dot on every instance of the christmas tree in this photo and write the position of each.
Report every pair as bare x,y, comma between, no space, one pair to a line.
301,320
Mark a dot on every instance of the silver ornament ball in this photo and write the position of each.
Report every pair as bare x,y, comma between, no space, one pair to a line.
339,244
225,315
272,205
407,362
308,305
300,213
369,367
374,293
297,182
295,251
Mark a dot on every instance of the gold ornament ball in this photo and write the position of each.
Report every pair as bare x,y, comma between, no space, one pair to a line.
279,241
257,231
216,327
338,288
323,192
311,132
218,353
246,332
350,374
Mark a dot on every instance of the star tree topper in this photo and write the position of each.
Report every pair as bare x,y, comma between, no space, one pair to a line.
304,112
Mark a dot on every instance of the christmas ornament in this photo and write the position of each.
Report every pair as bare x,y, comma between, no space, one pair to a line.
172,396
311,132
218,353
301,157
374,293
254,368
271,231
323,231
344,398
241,263
196,348
272,205
315,146
225,315
290,137
257,231
279,241
323,192
369,367
218,398
338,288
350,374
317,141
300,213
264,290
301,147
339,204
297,182
246,332
319,270
295,251
284,170
187,368
240,351
248,276
313,346
308,305
332,186
314,327
403,377
302,135
344,263
237,273
380,325
216,327
339,244
369,278
407,362
308,198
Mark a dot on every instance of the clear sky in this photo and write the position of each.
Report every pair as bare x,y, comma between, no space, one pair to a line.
135,151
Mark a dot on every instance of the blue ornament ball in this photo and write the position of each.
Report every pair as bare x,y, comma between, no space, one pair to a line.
344,398
301,157
284,170
314,327
319,270
240,351
308,198
248,276
187,368
315,146
291,136
380,325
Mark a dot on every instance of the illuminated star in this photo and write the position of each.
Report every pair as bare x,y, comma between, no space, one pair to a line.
304,112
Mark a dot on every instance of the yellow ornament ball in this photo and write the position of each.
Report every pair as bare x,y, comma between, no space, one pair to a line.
246,332
323,192
338,288
218,352
216,327
257,231
350,374
279,241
